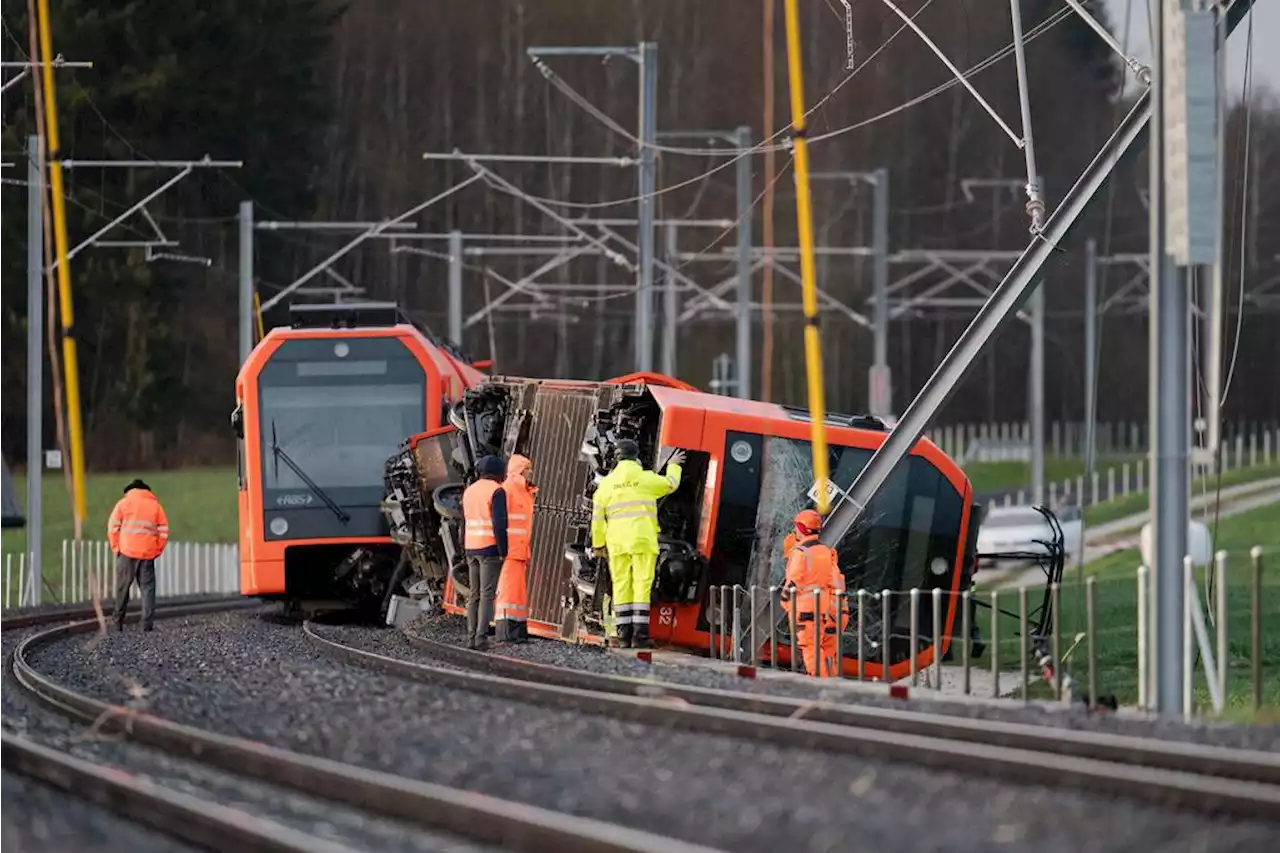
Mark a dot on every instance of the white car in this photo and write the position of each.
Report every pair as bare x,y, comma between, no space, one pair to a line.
1016,528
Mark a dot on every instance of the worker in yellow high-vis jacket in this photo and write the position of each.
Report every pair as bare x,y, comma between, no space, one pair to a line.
624,522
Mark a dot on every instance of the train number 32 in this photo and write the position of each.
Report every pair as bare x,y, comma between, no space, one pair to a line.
666,615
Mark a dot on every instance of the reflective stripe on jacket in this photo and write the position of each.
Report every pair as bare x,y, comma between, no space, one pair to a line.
624,509
138,527
484,511
813,566
519,496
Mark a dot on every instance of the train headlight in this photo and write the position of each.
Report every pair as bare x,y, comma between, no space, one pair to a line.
279,526
341,349
741,452
939,566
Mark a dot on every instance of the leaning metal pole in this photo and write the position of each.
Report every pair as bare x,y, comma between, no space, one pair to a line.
1002,304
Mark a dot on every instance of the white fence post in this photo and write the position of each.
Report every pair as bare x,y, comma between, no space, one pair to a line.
1111,484
1253,448
1125,483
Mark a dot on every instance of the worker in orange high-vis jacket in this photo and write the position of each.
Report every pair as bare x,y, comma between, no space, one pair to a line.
138,530
512,599
814,567
484,511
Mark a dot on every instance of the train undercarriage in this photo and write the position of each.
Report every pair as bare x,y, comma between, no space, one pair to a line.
570,431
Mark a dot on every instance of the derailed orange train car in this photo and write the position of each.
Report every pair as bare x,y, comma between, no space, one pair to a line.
319,407
747,473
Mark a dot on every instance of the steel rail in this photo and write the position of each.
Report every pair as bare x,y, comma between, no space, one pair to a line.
950,744
1196,758
476,817
77,612
202,823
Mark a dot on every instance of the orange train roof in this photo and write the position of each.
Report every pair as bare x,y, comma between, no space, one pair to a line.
657,380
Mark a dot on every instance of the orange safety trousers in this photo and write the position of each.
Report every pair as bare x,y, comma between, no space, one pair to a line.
512,600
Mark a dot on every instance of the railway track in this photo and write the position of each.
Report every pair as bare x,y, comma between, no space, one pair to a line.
477,818
1212,779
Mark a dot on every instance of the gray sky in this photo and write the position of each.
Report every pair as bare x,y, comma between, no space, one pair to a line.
1266,34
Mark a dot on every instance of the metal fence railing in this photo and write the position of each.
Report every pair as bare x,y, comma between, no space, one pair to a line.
994,442
1119,481
1094,642
185,568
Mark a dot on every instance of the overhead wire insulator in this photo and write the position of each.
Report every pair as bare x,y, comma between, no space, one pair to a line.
848,35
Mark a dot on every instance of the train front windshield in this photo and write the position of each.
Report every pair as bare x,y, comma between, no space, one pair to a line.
909,537
330,413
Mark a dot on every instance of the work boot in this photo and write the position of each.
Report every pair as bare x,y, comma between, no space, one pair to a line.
623,638
640,638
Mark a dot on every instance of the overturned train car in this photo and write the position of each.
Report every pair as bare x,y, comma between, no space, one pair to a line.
747,473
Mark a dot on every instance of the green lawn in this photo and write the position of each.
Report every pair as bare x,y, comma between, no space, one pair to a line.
1138,501
1116,617
200,503
995,476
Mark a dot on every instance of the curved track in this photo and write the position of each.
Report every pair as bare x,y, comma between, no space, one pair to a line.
465,814
1191,776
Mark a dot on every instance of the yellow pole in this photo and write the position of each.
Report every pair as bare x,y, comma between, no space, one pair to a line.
257,307
808,275
70,363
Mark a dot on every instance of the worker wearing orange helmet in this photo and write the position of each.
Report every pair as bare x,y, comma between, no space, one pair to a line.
814,567
512,600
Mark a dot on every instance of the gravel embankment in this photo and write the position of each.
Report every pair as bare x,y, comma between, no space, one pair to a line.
250,677
451,629
23,715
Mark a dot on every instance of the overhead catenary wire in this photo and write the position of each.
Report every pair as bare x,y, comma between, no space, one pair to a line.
1039,30
765,145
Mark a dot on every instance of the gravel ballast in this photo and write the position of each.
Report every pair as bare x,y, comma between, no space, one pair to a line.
256,678
25,716
41,819
451,629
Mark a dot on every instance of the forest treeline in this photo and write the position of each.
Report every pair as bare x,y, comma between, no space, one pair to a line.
331,105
